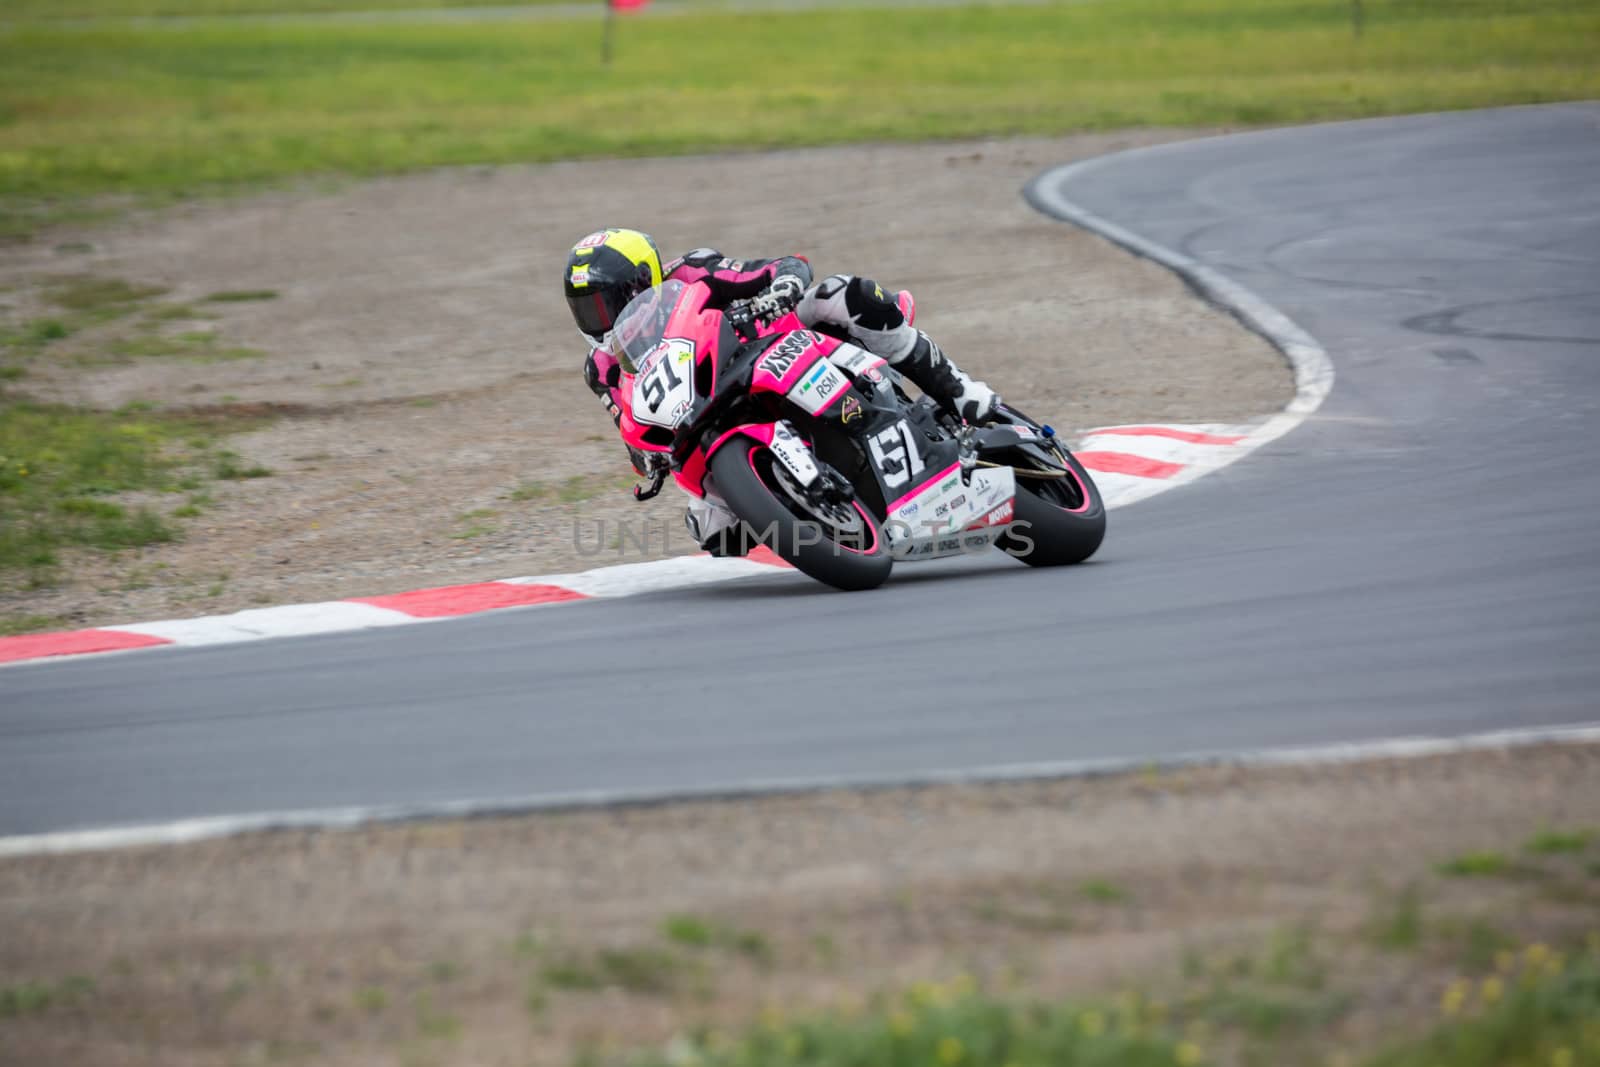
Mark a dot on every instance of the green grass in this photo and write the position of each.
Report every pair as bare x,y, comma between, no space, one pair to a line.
86,301
1397,924
79,9
28,998
227,467
1477,865
435,1024
949,1025
691,931
81,301
1103,892
1477,942
1556,842
86,113
640,969
371,999
236,296
62,468
14,624
193,346
1542,1012
57,466
1547,1019
99,297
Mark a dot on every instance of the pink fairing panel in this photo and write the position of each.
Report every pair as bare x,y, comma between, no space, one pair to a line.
693,475
692,478
756,431
781,366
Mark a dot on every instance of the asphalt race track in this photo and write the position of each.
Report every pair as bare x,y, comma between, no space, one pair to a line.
1422,557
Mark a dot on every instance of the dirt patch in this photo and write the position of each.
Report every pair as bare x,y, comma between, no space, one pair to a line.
517,941
432,426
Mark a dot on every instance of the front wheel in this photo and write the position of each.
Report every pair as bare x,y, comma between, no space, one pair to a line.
839,544
1058,520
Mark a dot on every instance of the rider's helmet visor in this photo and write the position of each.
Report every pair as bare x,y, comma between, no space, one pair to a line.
596,311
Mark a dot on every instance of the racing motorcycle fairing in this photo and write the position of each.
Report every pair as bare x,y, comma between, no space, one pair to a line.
824,408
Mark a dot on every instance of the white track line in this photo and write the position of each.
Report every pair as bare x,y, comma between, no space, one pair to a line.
1313,370
185,831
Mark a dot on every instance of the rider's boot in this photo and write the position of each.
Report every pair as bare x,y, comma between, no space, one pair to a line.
948,384
874,321
715,528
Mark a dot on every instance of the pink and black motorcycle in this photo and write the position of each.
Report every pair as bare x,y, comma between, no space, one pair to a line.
815,446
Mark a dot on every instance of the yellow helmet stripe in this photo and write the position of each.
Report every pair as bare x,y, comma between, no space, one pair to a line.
637,247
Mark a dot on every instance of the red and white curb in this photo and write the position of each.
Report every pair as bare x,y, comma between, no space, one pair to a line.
1128,463
395,609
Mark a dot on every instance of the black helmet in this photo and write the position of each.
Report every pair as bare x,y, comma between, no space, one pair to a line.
605,270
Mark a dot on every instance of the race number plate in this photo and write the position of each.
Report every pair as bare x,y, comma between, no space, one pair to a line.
663,393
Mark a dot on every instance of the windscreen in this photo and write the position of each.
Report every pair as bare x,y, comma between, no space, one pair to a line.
642,324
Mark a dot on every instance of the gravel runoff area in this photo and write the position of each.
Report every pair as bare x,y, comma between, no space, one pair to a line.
432,426
526,940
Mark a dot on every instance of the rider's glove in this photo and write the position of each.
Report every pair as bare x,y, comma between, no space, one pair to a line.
781,296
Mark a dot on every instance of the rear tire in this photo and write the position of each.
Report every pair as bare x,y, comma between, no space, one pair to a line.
1066,519
742,471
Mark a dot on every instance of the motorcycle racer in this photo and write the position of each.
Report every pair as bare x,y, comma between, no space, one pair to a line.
608,268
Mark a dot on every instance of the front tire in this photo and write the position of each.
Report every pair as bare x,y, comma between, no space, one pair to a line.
845,550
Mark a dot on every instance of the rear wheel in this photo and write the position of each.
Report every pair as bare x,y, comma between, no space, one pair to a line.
837,543
1059,520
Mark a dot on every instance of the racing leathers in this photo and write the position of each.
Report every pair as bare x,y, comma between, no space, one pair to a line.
856,307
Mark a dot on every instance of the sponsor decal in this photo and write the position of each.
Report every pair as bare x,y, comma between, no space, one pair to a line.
949,483
998,517
793,453
580,275
781,356
731,264
824,379
851,409
594,240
